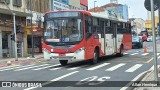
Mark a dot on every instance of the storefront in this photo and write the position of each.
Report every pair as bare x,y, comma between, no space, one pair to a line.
7,45
37,35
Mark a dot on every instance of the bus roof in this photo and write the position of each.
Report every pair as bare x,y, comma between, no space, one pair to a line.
107,17
90,13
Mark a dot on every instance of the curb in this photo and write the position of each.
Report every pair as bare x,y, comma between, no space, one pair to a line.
138,78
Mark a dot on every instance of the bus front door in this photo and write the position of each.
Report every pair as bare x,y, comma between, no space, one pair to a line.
109,41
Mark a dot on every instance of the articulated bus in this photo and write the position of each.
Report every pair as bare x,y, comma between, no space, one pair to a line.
81,35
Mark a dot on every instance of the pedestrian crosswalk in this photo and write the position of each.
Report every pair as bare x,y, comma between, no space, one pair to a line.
139,54
109,67
30,67
46,67
133,68
96,67
115,67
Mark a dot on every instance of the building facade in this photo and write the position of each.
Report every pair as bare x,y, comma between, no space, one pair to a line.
59,5
6,28
69,5
39,7
84,4
138,25
114,10
148,25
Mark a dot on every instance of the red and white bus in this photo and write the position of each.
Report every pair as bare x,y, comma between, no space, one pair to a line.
82,35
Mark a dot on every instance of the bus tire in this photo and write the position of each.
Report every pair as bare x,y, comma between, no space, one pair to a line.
96,57
63,62
120,54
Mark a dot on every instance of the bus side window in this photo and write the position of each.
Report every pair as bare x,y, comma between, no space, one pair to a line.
88,24
101,28
108,29
120,28
96,25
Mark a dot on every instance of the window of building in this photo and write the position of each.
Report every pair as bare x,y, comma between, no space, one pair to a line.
7,1
17,3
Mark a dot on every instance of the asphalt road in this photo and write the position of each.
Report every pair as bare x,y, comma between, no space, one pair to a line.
82,75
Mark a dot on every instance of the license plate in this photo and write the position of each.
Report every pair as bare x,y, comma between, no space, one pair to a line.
61,55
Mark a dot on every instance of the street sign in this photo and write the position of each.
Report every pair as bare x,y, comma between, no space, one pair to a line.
147,4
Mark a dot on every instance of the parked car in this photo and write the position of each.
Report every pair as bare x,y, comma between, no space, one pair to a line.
137,42
149,39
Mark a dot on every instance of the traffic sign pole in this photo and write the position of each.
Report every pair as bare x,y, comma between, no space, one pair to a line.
154,41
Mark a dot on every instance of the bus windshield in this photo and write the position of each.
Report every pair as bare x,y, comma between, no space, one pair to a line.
63,30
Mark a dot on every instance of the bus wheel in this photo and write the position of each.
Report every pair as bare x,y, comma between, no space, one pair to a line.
96,57
63,62
120,54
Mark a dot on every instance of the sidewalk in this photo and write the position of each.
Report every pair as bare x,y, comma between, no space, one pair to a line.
149,77
9,61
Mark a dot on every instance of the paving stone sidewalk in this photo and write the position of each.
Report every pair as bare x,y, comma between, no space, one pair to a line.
11,61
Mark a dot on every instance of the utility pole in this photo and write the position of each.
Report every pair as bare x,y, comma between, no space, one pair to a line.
159,21
94,5
154,41
32,30
14,26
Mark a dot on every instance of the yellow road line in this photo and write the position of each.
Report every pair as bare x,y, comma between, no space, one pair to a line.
149,60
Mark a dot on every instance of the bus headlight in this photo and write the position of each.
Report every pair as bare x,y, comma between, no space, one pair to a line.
79,50
52,50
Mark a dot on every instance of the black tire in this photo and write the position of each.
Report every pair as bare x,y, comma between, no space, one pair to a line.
96,57
63,62
120,54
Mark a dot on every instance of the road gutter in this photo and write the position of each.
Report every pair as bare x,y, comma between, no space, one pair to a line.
138,78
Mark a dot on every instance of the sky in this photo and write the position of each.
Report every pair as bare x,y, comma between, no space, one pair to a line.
136,7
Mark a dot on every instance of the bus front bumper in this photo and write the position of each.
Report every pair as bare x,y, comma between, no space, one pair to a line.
68,56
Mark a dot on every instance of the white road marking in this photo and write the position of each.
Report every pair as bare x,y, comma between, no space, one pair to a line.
145,54
74,68
31,67
152,68
9,67
115,67
16,67
158,54
46,67
99,66
133,68
134,53
53,80
61,77
55,68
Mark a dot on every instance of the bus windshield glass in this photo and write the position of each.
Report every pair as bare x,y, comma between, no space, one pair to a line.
63,30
